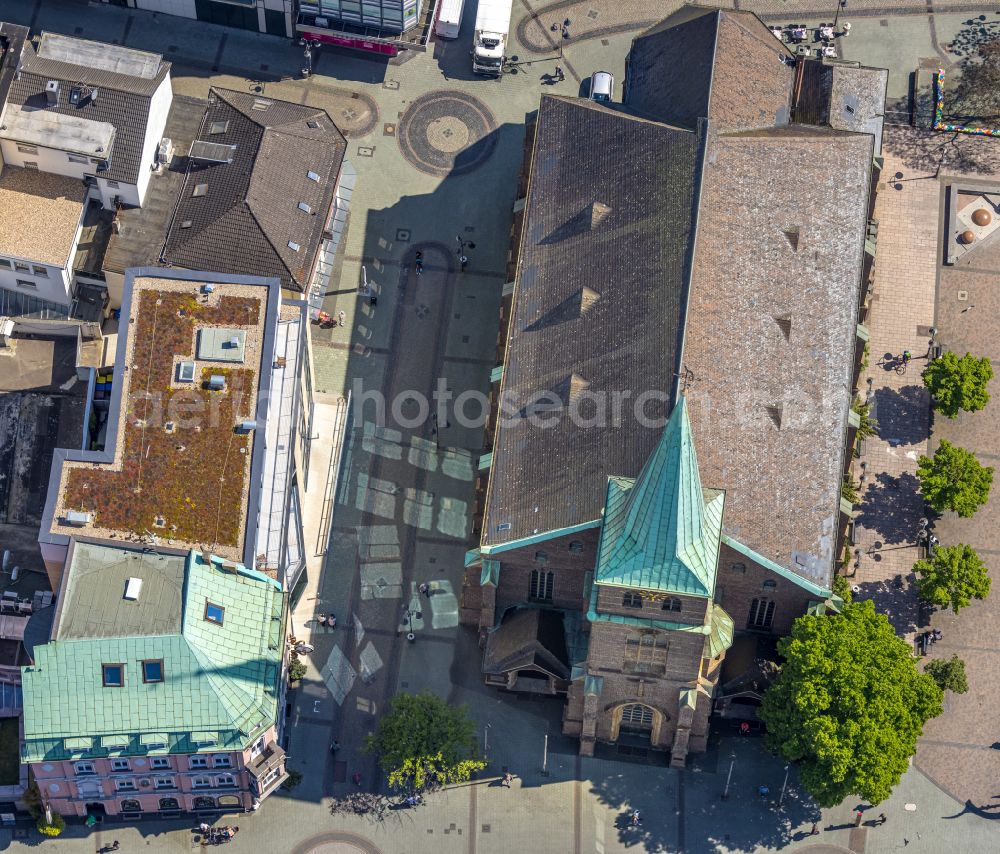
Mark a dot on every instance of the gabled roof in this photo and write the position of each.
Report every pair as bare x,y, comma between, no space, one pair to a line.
123,100
528,638
260,212
704,62
221,679
661,531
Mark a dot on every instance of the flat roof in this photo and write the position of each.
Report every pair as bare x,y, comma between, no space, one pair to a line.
94,604
176,469
57,130
102,55
29,197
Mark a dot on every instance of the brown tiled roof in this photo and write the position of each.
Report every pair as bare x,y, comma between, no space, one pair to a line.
250,212
767,311
707,62
770,333
122,101
598,307
844,97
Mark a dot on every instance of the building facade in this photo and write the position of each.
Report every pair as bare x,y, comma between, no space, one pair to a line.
688,270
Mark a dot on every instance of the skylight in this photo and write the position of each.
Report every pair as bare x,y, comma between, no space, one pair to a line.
200,190
293,246
218,127
113,675
313,124
260,104
305,208
186,224
313,176
152,670
215,613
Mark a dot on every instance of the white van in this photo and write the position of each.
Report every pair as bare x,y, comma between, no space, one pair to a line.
449,20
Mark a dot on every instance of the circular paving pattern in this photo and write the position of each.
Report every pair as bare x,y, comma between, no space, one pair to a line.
337,843
447,133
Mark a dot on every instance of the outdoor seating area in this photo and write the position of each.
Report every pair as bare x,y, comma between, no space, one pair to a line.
811,41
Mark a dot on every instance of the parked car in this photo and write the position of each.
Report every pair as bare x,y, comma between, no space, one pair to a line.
602,86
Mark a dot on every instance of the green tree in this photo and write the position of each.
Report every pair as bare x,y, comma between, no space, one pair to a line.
57,826
949,673
867,426
953,576
296,670
422,741
848,704
953,479
957,384
842,588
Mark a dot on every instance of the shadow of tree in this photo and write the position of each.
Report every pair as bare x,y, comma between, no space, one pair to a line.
892,508
975,33
902,414
896,598
930,151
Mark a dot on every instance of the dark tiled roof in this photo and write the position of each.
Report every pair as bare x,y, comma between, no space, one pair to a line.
122,101
750,371
250,211
12,38
597,307
706,62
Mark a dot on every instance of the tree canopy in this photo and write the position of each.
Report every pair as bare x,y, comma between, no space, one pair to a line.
958,383
949,673
952,577
848,704
422,741
953,479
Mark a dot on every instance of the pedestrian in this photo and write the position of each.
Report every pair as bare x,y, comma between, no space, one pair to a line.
559,74
907,355
464,260
636,819
507,777
334,746
331,621
356,778
425,590
763,790
882,819
857,819
744,728
340,318
419,263
115,846
815,830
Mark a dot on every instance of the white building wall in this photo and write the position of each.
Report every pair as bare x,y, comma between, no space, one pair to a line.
183,8
159,106
53,287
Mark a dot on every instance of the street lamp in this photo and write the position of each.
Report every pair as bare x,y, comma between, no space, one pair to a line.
782,796
841,4
729,776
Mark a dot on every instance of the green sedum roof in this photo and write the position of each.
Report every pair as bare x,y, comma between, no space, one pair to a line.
222,679
662,531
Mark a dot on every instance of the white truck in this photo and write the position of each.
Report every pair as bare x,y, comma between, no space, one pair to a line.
490,41
449,19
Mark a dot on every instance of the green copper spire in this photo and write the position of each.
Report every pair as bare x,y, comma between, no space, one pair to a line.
662,530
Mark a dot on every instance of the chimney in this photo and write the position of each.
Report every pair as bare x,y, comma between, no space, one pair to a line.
52,93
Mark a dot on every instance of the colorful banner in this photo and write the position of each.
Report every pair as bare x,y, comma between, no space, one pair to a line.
941,124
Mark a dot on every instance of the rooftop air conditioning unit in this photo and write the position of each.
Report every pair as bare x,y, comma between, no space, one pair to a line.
78,518
246,426
133,586
52,93
217,382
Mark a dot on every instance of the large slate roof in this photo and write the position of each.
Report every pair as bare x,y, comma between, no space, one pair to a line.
772,217
598,307
123,101
250,212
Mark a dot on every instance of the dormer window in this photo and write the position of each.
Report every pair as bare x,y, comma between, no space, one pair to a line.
215,613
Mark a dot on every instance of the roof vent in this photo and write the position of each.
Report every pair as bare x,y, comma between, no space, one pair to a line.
186,224
218,127
217,382
785,325
132,588
200,190
52,93
598,213
588,299
313,176
305,208
78,518
312,123
260,105
774,412
76,95
792,236
246,426
293,246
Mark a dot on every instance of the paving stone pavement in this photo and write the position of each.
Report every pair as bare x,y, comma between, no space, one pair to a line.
887,520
